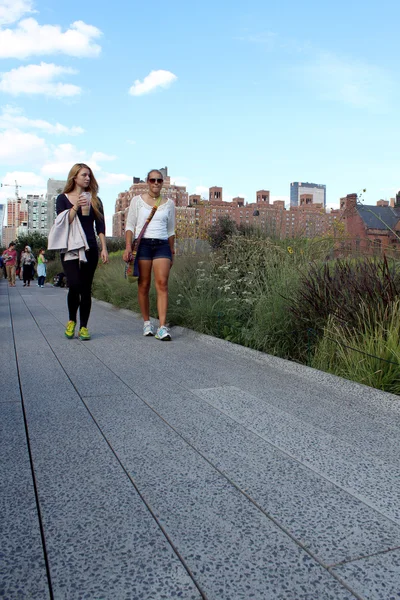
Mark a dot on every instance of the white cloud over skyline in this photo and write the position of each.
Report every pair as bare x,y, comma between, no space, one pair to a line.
38,79
31,39
18,147
101,156
12,117
114,178
24,178
151,82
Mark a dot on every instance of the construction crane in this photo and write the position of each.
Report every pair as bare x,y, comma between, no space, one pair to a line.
12,185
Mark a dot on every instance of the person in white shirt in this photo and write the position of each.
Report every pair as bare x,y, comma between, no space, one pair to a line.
156,249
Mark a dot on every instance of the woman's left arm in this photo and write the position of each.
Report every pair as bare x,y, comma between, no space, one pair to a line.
171,229
101,232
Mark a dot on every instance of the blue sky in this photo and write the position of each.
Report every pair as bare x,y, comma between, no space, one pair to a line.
246,95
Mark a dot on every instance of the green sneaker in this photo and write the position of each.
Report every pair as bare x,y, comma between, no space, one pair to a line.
70,329
84,334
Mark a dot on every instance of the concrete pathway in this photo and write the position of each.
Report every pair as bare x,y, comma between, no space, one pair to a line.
135,469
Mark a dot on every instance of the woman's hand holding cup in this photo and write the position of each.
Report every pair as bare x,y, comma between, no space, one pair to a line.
84,202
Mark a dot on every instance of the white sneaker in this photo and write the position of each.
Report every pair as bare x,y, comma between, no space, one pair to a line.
163,334
148,329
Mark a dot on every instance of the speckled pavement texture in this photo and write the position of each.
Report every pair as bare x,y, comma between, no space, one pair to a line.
134,469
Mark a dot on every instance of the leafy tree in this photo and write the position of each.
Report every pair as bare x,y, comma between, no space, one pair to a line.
36,241
115,243
225,227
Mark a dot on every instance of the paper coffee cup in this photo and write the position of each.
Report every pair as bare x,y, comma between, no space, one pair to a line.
86,208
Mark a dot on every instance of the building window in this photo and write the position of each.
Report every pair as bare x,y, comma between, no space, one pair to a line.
377,245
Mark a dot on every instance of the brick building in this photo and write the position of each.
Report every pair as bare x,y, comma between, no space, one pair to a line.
371,229
17,220
195,215
307,220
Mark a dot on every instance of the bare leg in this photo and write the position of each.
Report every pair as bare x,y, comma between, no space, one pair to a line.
144,288
162,267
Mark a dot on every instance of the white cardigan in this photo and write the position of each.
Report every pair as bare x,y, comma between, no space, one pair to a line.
68,237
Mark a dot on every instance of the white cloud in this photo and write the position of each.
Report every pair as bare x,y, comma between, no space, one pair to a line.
31,39
37,79
101,157
154,80
17,147
24,179
114,178
12,10
66,155
14,118
202,191
131,142
352,82
180,180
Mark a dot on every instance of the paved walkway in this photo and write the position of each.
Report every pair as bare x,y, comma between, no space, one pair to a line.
135,469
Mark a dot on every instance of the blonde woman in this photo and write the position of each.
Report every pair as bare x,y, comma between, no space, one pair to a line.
156,249
80,274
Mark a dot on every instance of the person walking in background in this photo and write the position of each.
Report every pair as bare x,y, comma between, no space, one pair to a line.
2,267
10,259
27,263
156,249
79,212
41,268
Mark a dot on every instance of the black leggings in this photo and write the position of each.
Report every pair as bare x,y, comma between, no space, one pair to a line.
80,278
27,273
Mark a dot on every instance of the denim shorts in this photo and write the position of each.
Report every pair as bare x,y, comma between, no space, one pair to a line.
150,249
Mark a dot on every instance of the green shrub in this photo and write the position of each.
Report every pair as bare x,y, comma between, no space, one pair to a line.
337,288
110,285
53,267
368,352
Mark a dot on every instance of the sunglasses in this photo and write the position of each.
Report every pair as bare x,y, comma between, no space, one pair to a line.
153,180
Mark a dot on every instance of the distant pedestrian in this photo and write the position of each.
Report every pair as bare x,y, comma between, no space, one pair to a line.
27,262
2,267
79,211
156,249
10,259
41,268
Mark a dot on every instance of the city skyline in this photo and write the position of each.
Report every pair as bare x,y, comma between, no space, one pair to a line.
254,97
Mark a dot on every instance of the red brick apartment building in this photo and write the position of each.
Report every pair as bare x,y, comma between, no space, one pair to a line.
367,229
195,215
371,229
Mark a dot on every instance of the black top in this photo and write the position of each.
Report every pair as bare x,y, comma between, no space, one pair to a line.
87,222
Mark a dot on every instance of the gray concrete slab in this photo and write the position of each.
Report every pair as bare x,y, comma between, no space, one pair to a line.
22,558
355,469
374,577
231,547
162,467
9,387
330,522
101,539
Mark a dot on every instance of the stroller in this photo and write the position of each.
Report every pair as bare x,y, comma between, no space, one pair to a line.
60,280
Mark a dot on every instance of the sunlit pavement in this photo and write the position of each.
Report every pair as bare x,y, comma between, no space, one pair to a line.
138,469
